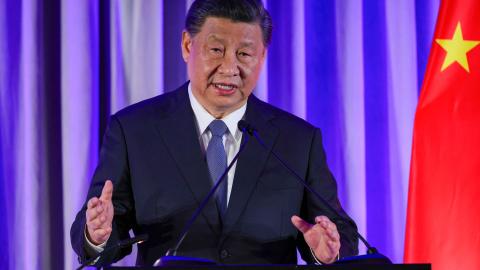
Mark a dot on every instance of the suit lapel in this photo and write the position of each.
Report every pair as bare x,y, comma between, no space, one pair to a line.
178,130
251,162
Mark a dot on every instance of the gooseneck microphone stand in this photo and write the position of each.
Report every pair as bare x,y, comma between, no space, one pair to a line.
372,256
171,258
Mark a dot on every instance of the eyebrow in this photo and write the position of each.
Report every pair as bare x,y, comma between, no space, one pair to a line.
219,39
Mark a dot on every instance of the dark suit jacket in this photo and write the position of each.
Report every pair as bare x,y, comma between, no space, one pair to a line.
151,152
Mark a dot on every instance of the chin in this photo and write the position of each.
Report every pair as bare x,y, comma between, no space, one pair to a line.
226,107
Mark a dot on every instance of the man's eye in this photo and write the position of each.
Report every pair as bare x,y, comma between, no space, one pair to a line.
216,50
243,54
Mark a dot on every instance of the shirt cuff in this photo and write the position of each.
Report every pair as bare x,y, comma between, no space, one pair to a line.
317,261
91,248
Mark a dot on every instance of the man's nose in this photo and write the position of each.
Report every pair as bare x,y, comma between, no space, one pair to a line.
229,65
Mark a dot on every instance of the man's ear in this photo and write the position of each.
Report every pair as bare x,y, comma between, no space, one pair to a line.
264,55
186,45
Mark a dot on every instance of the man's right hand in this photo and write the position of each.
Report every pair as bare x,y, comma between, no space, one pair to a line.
100,215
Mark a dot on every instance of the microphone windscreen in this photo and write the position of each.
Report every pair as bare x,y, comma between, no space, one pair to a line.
245,126
242,125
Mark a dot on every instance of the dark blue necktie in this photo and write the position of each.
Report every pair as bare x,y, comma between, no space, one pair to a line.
217,162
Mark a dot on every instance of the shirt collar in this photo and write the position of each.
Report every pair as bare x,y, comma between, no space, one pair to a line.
204,118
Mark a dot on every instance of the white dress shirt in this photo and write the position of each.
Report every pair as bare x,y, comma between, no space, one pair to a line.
231,141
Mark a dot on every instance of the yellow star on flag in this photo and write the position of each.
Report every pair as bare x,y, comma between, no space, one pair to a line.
457,49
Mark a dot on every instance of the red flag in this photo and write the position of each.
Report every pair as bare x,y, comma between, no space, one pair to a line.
443,219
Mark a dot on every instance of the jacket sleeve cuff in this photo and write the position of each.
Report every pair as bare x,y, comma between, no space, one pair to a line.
92,249
317,261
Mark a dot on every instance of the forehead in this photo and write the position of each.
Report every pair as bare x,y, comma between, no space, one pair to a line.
221,29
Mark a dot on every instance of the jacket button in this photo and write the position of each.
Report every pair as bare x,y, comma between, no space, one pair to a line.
224,254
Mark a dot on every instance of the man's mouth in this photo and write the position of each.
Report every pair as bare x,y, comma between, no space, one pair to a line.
224,88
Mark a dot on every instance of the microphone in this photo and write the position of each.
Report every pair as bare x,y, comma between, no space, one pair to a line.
171,258
121,244
372,256
244,126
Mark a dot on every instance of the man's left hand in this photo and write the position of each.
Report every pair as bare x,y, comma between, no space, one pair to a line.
322,237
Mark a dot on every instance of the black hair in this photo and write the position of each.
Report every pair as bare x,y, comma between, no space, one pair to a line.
248,11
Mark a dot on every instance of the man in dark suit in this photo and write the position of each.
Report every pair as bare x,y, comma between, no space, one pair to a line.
163,155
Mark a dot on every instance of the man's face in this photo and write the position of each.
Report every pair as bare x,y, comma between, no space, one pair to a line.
223,62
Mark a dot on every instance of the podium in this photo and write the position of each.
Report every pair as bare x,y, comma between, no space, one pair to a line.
291,267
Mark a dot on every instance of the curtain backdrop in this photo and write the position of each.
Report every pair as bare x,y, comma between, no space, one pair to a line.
352,68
